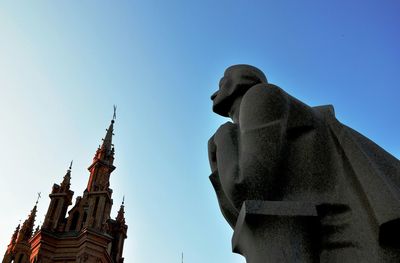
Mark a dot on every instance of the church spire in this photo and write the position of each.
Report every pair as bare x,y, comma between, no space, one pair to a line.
66,183
104,158
121,212
15,235
27,227
13,241
107,142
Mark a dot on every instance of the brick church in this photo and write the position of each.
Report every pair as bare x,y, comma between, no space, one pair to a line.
86,233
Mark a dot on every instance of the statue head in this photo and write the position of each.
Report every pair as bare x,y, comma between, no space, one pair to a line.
236,81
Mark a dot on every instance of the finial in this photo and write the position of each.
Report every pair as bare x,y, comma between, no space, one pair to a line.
37,200
37,229
115,113
70,165
182,257
123,200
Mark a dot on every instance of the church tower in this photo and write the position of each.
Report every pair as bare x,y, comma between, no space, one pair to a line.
87,233
19,249
93,209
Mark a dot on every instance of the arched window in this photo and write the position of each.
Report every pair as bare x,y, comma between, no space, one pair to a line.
74,221
96,205
84,217
54,210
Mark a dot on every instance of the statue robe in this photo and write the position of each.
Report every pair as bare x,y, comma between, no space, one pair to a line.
284,150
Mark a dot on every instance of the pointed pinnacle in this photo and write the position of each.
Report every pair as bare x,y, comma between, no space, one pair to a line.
16,232
37,200
27,227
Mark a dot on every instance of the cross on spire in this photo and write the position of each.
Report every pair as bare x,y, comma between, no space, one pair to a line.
115,112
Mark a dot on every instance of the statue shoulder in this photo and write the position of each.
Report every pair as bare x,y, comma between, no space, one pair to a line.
263,104
265,89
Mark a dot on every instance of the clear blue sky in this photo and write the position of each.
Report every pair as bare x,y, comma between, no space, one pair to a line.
63,64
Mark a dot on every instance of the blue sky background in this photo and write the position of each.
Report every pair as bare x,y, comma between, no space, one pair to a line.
63,64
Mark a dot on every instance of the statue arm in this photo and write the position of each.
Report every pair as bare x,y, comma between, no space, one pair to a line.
245,156
227,208
212,154
248,155
262,106
263,121
226,141
269,120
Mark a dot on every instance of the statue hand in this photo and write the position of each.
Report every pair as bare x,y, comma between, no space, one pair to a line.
227,156
225,131
212,154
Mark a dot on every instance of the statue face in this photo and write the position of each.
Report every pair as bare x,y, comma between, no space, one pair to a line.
222,92
235,82
222,99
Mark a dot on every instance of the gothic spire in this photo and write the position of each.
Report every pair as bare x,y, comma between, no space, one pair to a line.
107,142
102,165
121,212
27,227
15,235
66,183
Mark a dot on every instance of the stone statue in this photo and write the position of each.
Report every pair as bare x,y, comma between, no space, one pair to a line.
294,183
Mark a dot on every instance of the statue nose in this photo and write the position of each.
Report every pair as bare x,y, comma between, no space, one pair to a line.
214,95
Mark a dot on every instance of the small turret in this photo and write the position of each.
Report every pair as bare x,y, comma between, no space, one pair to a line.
27,227
19,249
15,235
119,231
121,213
10,248
66,183
61,197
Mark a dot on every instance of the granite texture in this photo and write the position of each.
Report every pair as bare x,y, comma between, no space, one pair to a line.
294,183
